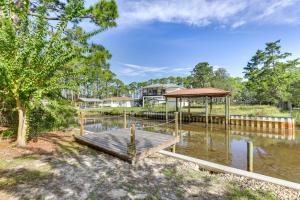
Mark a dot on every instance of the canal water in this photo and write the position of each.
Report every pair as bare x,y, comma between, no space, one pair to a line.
276,152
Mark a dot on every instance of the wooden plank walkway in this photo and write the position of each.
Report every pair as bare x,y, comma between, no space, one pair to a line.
115,142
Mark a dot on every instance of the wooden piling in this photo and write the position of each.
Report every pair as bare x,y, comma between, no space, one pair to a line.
206,111
226,111
176,130
276,122
167,116
132,134
176,123
250,156
125,120
81,123
189,110
131,149
210,109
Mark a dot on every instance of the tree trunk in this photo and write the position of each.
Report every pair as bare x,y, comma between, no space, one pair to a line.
22,127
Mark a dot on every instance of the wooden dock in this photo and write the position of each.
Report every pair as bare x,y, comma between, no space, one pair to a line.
116,143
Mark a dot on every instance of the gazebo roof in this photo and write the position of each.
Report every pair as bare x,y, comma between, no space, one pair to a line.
199,92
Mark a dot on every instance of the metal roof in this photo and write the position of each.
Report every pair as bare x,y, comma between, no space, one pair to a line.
89,99
118,99
199,92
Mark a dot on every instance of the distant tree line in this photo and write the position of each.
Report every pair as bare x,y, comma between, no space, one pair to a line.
270,77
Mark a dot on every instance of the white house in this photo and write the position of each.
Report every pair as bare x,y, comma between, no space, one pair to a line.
154,93
117,102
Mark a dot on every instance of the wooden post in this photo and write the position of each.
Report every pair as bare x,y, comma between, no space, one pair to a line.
206,111
227,144
176,124
228,105
250,156
125,120
210,109
207,141
176,104
189,110
131,148
180,113
167,117
132,134
176,130
227,111
81,123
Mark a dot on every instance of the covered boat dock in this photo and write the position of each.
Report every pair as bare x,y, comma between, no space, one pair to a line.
207,93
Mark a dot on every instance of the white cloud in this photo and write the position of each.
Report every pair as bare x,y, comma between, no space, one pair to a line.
139,70
276,6
234,13
238,24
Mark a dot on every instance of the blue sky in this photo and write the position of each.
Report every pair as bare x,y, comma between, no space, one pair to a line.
159,38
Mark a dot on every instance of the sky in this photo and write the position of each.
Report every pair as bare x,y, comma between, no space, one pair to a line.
160,38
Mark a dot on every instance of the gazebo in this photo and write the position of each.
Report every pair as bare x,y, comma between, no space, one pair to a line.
207,93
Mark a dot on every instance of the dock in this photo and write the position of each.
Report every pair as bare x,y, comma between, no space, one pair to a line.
117,143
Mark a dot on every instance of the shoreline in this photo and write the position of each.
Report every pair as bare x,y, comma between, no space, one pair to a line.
218,168
59,168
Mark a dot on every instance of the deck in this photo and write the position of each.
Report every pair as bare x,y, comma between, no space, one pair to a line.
115,142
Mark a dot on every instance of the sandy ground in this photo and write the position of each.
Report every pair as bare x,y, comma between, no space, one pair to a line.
55,167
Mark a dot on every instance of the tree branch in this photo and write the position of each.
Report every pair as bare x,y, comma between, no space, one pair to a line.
58,18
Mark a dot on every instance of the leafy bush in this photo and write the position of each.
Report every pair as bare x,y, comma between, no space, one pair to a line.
52,116
9,133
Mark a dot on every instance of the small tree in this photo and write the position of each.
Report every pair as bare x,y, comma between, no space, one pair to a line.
34,51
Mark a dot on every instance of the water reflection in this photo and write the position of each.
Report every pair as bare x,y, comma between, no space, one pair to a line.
276,153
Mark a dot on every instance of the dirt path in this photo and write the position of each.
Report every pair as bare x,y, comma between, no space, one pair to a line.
55,167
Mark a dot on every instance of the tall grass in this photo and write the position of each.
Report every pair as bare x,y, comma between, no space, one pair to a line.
253,110
250,110
296,115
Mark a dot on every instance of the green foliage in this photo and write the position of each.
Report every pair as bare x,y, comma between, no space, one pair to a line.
182,81
9,133
51,115
202,75
270,74
36,54
93,77
296,115
8,112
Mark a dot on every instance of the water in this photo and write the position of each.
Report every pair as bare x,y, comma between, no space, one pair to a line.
276,153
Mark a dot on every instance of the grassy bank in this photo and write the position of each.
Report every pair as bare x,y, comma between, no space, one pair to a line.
251,110
254,110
